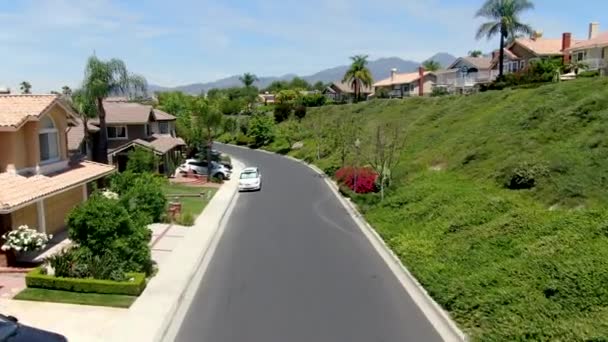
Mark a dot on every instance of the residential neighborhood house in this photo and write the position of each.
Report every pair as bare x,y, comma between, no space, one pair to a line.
39,181
465,73
523,51
267,98
131,125
343,92
593,52
403,85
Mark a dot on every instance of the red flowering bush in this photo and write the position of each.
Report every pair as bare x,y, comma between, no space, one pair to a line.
365,177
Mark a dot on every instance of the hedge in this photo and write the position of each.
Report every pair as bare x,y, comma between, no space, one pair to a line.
36,279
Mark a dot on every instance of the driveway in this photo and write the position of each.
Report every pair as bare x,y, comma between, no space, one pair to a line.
293,266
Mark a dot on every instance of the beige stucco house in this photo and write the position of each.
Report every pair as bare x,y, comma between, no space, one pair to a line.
39,181
592,52
409,84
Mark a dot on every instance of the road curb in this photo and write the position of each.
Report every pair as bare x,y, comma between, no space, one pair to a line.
439,318
151,319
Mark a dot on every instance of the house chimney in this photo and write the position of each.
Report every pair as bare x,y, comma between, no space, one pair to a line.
421,81
393,72
566,43
594,29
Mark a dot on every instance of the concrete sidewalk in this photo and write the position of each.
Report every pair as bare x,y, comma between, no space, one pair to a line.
178,251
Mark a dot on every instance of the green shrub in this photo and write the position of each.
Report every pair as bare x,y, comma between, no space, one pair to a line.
439,91
243,140
145,195
103,225
523,176
142,160
300,112
282,111
79,262
133,286
261,130
589,73
185,219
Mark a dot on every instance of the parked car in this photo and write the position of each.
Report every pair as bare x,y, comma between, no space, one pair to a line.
199,167
250,179
13,331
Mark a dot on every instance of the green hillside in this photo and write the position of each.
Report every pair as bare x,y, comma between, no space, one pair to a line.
499,206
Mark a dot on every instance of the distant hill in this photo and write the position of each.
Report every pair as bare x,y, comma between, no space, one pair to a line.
380,69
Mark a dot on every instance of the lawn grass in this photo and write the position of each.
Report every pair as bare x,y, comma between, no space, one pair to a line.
193,205
508,265
54,296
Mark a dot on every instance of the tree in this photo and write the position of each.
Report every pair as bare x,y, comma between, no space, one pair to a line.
66,91
207,121
431,65
475,53
358,75
504,21
344,135
84,104
277,86
248,79
299,84
142,160
103,79
320,86
26,87
384,152
261,129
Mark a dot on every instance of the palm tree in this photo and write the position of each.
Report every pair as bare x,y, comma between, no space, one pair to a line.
103,79
431,65
248,79
25,87
358,75
504,20
475,53
84,104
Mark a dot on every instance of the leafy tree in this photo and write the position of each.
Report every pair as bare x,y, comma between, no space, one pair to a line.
282,111
319,85
261,129
431,65
207,121
231,107
344,134
103,79
299,83
26,87
358,75
142,160
504,21
66,91
475,53
313,100
299,111
248,79
277,86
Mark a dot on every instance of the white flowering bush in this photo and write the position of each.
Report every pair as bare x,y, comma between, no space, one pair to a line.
109,194
25,239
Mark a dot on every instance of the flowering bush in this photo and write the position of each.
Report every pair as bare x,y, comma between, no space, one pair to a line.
24,239
109,194
365,177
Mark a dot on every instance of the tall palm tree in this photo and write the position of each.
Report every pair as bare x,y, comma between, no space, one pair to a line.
504,20
103,79
84,104
248,79
358,75
475,53
25,87
431,65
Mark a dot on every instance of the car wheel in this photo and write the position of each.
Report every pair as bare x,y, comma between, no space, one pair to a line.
220,176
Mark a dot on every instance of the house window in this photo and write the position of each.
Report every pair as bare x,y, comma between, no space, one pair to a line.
117,132
522,65
49,140
163,127
580,56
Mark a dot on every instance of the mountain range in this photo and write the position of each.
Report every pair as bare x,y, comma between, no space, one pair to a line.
379,68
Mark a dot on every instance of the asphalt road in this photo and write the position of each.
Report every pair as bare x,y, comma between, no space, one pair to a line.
292,266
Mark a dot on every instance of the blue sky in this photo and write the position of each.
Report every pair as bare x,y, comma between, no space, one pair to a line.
184,41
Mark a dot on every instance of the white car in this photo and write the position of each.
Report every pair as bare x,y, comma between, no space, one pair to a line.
250,179
200,168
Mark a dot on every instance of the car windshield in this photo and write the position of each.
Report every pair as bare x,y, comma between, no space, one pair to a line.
7,328
249,175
